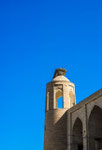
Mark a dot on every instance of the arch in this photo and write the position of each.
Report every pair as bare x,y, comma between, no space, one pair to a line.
77,136
95,129
95,107
77,116
91,107
59,98
60,102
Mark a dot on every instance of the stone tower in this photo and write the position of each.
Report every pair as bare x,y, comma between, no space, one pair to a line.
55,118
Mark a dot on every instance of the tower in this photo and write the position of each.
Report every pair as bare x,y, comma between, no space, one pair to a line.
55,118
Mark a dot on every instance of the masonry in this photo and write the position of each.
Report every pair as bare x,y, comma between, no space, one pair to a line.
74,126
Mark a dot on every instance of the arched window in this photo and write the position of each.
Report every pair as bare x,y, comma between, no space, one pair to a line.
60,102
59,99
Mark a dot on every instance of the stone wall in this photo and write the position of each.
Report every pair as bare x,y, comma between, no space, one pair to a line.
88,112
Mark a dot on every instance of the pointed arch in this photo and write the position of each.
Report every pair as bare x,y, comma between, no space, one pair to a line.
91,109
77,121
77,116
95,128
77,136
95,109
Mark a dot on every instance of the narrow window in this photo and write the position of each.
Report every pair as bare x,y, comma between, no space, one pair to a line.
60,102
59,98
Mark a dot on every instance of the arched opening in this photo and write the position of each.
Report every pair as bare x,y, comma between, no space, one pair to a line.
60,102
77,138
95,129
59,99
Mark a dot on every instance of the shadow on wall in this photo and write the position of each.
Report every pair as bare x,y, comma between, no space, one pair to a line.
60,129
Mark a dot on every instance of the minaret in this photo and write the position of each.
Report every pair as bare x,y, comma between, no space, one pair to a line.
55,118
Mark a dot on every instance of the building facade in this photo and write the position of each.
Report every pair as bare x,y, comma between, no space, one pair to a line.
74,126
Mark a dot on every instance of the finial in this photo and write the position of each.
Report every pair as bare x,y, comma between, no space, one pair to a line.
59,72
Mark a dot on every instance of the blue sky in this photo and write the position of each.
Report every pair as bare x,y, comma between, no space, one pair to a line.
36,37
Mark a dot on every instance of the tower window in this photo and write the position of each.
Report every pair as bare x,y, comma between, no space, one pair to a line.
59,98
60,102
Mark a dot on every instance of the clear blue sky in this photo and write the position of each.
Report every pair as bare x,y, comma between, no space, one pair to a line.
35,38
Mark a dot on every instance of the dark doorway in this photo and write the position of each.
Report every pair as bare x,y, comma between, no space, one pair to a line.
80,147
